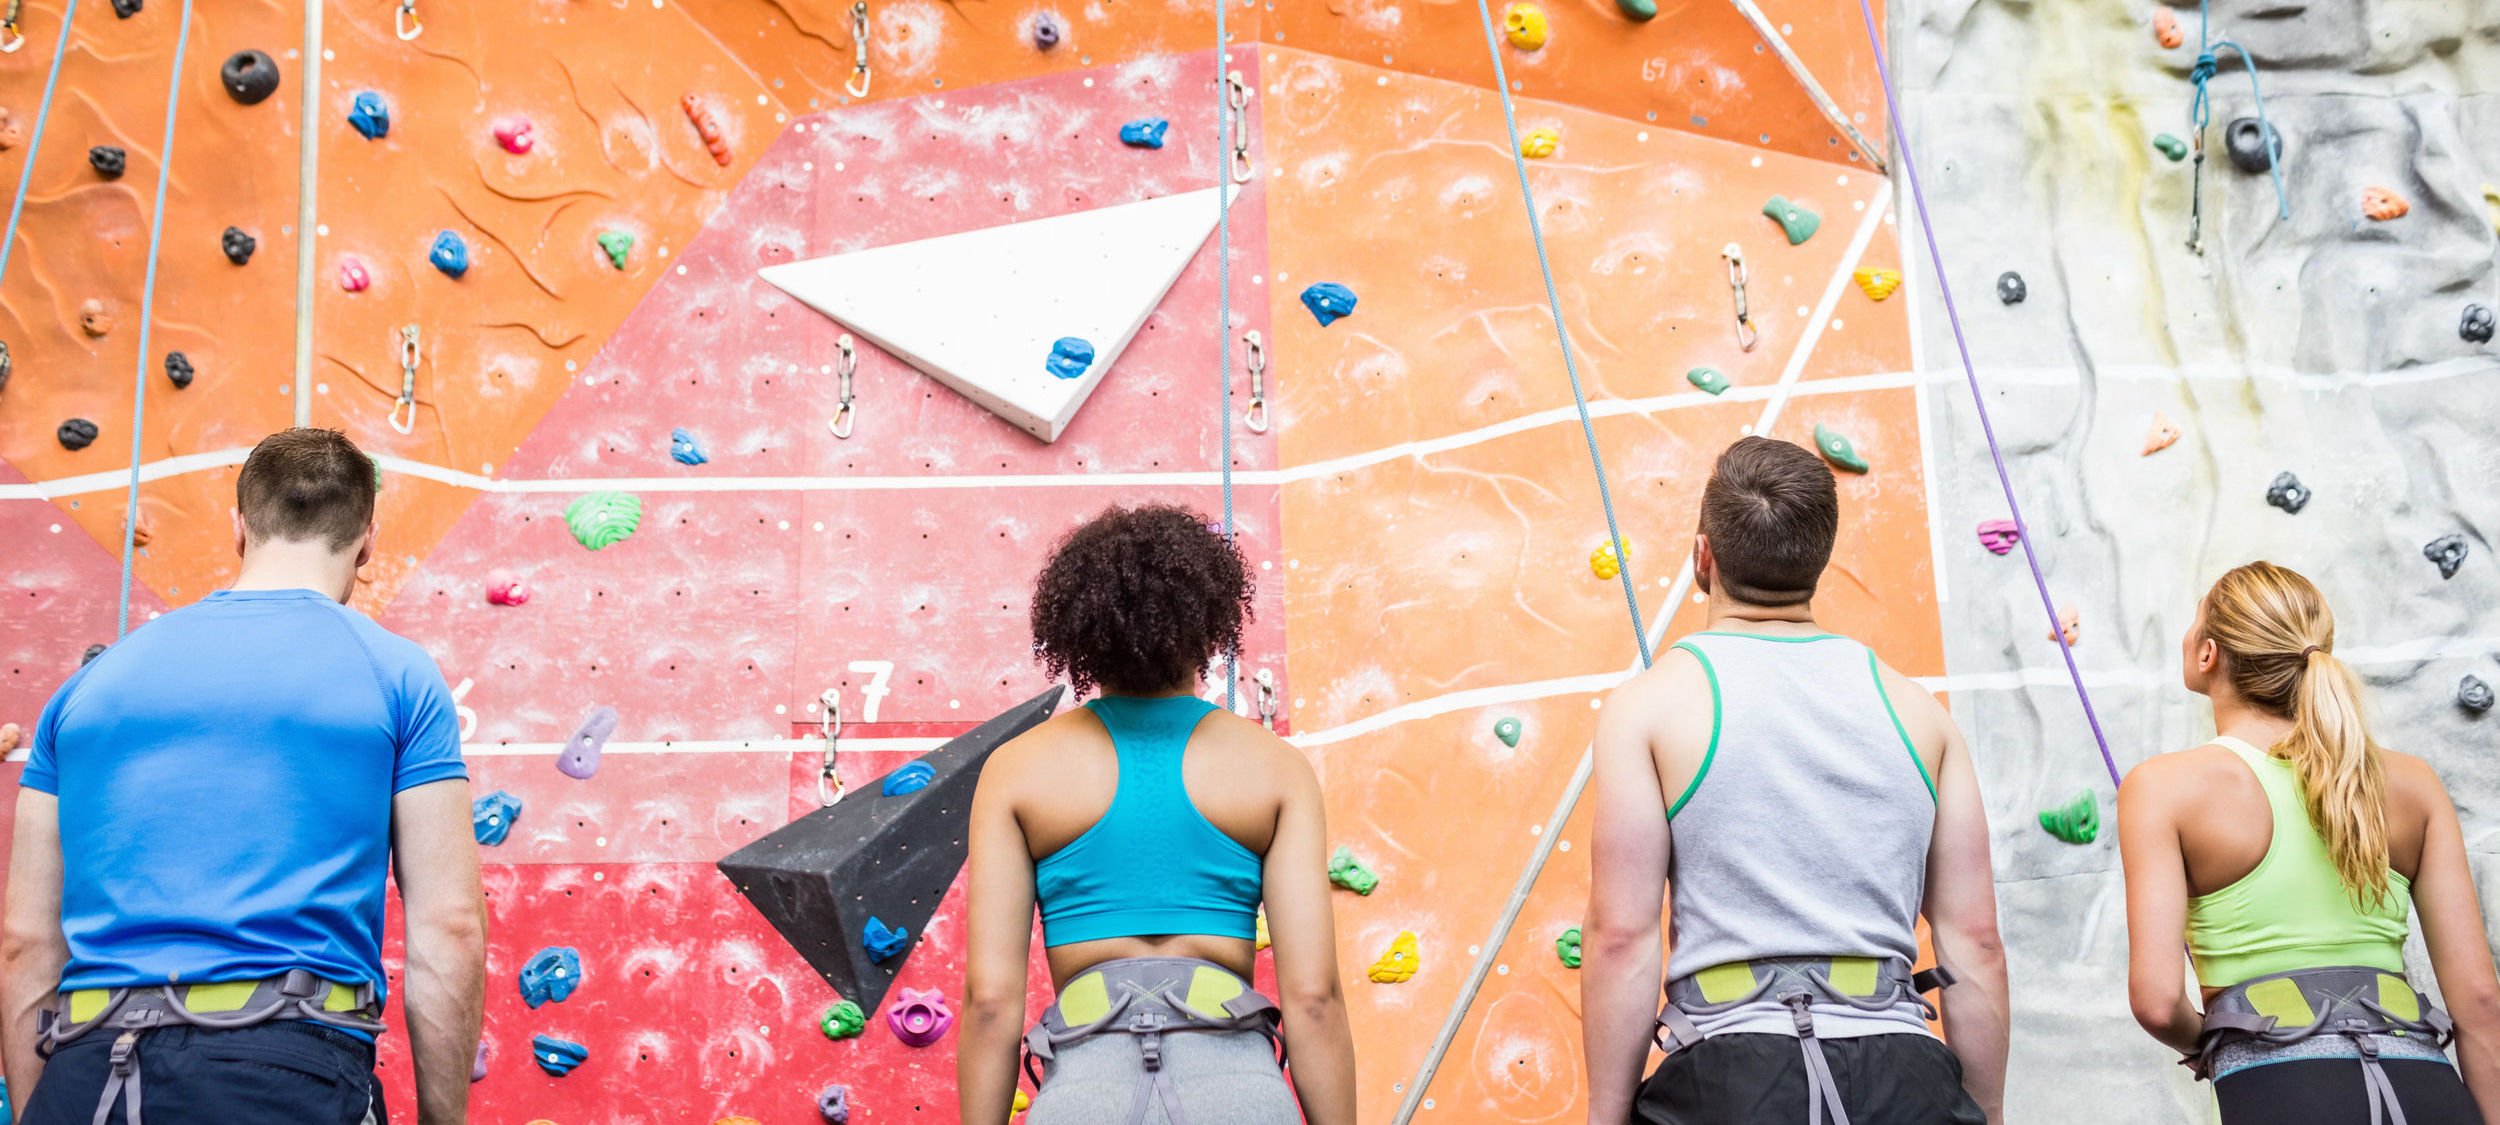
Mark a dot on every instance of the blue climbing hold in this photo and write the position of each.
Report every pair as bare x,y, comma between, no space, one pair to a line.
883,944
557,1056
683,447
912,778
1145,132
492,816
1070,356
551,974
450,254
1328,301
370,115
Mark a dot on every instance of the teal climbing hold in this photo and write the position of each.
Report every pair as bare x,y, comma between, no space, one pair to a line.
2077,821
2172,147
1794,220
1709,379
600,520
618,244
1640,11
1837,450
1508,731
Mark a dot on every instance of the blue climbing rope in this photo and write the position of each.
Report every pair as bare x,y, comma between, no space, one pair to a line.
1953,316
1553,304
2200,113
1224,312
147,316
34,142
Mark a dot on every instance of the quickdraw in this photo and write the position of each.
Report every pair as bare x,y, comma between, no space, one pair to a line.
10,37
1237,96
1267,698
404,409
843,368
829,788
1255,358
858,84
409,28
1746,335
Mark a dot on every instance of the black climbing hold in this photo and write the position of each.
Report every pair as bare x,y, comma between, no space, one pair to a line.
2248,142
178,369
250,77
108,161
2477,325
76,434
93,651
1045,31
2474,695
2287,493
5,364
819,879
127,8
2447,552
238,245
2011,289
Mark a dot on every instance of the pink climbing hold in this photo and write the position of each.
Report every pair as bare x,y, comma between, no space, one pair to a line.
2069,626
506,588
1999,536
10,736
580,757
513,133
352,275
920,1018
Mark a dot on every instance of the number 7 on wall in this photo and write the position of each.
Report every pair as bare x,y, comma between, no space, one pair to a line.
879,671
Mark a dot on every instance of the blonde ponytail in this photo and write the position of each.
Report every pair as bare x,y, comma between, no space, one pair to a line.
2277,636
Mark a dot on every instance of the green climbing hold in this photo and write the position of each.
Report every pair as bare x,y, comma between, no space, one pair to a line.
1567,947
1708,379
2172,147
1346,871
603,519
1799,223
1508,731
843,1020
1638,10
1837,450
2077,821
618,244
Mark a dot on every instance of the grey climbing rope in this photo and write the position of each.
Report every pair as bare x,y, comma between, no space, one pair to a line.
1228,158
147,310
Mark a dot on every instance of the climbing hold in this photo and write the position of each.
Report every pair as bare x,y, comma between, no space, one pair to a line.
843,1020
1608,559
1794,220
2287,493
911,778
2447,552
1046,31
2254,145
881,942
353,276
249,76
370,115
2163,435
2069,626
683,449
107,161
139,535
834,1104
1145,132
708,128
2011,288
1069,357
618,244
7,365
505,588
92,652
1021,1104
2171,147
11,735
2476,327
1524,25
2077,821
736,1121
920,1018
1709,379
1328,301
1540,142
515,135
1398,965
1346,871
1639,11
491,817
450,254
238,245
550,975
93,319
1567,947
1259,939
2166,29
600,520
1838,450
2380,204
1508,731
76,434
2474,695
477,1065
1878,284
178,370
557,1056
580,757
1999,536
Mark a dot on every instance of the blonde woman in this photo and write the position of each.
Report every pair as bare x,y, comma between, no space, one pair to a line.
2285,851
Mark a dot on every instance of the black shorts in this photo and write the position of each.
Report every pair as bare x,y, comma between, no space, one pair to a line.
286,1073
1744,1079
2330,1092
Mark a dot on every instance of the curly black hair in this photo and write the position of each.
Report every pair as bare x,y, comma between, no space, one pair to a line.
1137,600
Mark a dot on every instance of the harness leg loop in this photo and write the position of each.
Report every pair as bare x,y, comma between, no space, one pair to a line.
1822,1090
124,1080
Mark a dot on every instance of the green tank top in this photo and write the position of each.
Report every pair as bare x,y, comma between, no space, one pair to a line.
2291,912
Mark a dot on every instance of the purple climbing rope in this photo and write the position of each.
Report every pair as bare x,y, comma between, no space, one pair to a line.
1996,454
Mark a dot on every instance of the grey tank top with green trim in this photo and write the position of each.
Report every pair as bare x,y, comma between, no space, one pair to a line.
1805,832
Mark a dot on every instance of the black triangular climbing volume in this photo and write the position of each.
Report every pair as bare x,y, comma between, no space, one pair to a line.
820,878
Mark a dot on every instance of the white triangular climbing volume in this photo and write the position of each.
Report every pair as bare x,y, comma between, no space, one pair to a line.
981,310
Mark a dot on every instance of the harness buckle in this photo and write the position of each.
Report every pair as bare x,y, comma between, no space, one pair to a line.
125,1052
1801,1010
1147,1026
299,984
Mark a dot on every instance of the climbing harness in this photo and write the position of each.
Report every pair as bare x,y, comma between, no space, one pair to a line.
858,84
846,363
1795,984
1237,98
1266,680
404,408
10,37
2359,1004
2200,112
147,308
132,1012
409,28
1148,998
1256,359
1746,336
829,788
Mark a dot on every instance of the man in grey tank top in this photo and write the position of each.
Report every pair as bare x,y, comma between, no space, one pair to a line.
1818,803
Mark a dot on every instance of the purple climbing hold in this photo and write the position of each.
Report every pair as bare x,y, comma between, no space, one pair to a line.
1046,35
920,1018
477,1068
2478,324
1328,302
2446,552
834,1104
550,975
1999,536
580,757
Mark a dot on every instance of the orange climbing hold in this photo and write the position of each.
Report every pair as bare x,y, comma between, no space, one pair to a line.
2163,435
1878,284
707,127
737,1121
93,318
2381,204
2069,627
10,736
2166,29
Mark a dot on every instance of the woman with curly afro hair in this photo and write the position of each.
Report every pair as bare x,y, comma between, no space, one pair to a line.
1149,826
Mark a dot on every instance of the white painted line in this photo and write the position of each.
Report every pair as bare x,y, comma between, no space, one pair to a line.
811,747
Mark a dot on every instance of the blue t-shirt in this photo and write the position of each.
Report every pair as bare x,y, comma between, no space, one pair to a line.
225,776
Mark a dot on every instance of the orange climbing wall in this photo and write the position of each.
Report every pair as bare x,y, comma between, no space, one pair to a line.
1422,512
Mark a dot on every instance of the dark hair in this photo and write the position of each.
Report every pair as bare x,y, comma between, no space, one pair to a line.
1137,600
306,484
1771,511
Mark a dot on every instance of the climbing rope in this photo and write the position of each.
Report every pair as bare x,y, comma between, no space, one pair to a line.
34,142
1231,155
147,304
2200,113
1996,454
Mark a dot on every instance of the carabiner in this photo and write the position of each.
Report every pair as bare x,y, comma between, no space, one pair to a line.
409,28
1746,335
10,37
1267,698
1237,97
409,356
829,788
1255,357
848,411
858,85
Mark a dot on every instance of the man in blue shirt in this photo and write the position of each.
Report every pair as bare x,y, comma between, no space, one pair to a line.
204,832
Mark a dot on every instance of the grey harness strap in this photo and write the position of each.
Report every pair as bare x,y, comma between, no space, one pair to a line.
1797,984
299,995
1147,1002
2357,1003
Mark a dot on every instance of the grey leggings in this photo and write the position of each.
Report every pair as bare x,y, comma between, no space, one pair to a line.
1224,1078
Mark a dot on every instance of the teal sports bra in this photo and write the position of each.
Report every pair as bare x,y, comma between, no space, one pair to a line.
1152,865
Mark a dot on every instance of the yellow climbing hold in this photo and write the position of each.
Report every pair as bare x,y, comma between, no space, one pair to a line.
737,1121
1022,1103
1608,559
1878,284
1398,965
1263,939
1540,143
1524,25
2491,205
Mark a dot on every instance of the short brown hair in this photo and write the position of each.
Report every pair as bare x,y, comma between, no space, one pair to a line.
1771,511
305,484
